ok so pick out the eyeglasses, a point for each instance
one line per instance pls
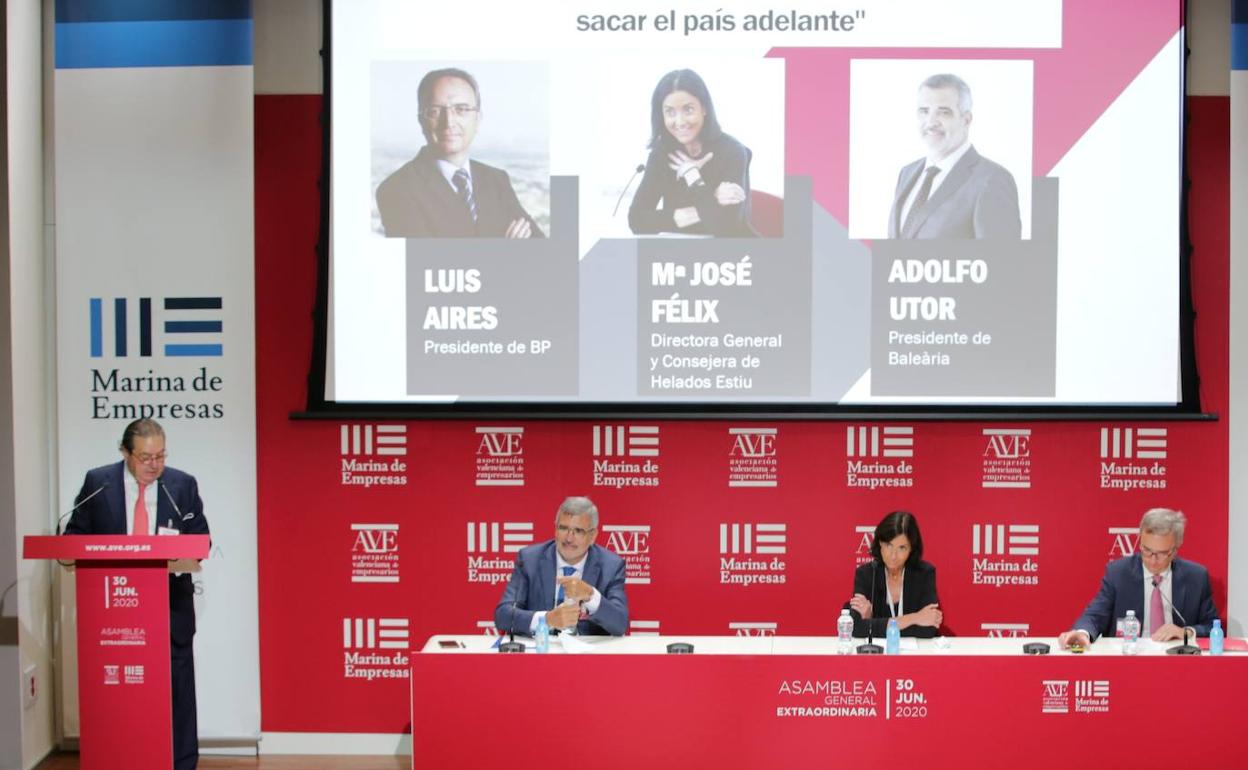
(1149, 553)
(564, 529)
(146, 459)
(434, 112)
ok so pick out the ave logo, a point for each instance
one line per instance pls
(752, 457)
(500, 456)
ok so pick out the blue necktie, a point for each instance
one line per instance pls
(567, 571)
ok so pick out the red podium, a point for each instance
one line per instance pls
(124, 697)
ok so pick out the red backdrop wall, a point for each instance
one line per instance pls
(372, 536)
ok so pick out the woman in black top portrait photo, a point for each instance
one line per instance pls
(896, 583)
(697, 178)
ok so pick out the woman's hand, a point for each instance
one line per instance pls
(686, 217)
(729, 194)
(861, 605)
(687, 168)
(929, 616)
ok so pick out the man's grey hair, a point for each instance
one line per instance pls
(1163, 521)
(949, 80)
(579, 506)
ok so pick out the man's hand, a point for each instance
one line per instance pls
(861, 605)
(563, 616)
(1076, 636)
(729, 194)
(575, 588)
(1167, 633)
(519, 228)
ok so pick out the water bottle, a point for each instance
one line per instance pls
(543, 635)
(1216, 638)
(845, 633)
(892, 638)
(1130, 634)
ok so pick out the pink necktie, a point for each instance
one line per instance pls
(140, 516)
(1156, 613)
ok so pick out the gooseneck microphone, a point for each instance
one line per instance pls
(640, 168)
(1185, 648)
(871, 648)
(161, 483)
(78, 505)
(511, 645)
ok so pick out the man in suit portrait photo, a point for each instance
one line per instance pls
(1167, 593)
(443, 192)
(952, 192)
(569, 580)
(142, 496)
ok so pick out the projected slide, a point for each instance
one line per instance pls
(886, 202)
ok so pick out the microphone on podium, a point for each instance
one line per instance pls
(871, 648)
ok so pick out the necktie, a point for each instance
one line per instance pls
(460, 179)
(140, 515)
(924, 191)
(1156, 613)
(567, 571)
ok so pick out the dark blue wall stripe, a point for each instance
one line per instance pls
(192, 303)
(191, 327)
(145, 326)
(1239, 12)
(119, 325)
(97, 328)
(1239, 46)
(102, 45)
(70, 11)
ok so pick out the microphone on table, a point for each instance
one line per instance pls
(511, 645)
(1185, 648)
(871, 648)
(640, 168)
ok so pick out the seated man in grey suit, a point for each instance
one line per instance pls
(953, 192)
(1165, 591)
(442, 193)
(569, 580)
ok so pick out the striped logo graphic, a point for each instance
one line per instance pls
(744, 628)
(499, 536)
(1003, 539)
(373, 440)
(1126, 443)
(643, 628)
(375, 633)
(877, 441)
(190, 327)
(752, 538)
(626, 441)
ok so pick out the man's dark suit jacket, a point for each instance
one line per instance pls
(177, 507)
(105, 514)
(977, 199)
(1122, 589)
(918, 589)
(417, 202)
(532, 589)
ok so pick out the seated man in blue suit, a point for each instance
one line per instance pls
(569, 580)
(1166, 592)
(142, 496)
(953, 192)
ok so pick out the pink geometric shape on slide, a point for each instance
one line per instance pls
(1105, 45)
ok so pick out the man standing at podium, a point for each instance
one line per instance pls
(140, 496)
(569, 580)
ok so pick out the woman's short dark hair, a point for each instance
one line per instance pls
(899, 523)
(689, 82)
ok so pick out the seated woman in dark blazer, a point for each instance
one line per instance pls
(904, 584)
(697, 178)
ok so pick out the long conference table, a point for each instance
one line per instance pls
(793, 702)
